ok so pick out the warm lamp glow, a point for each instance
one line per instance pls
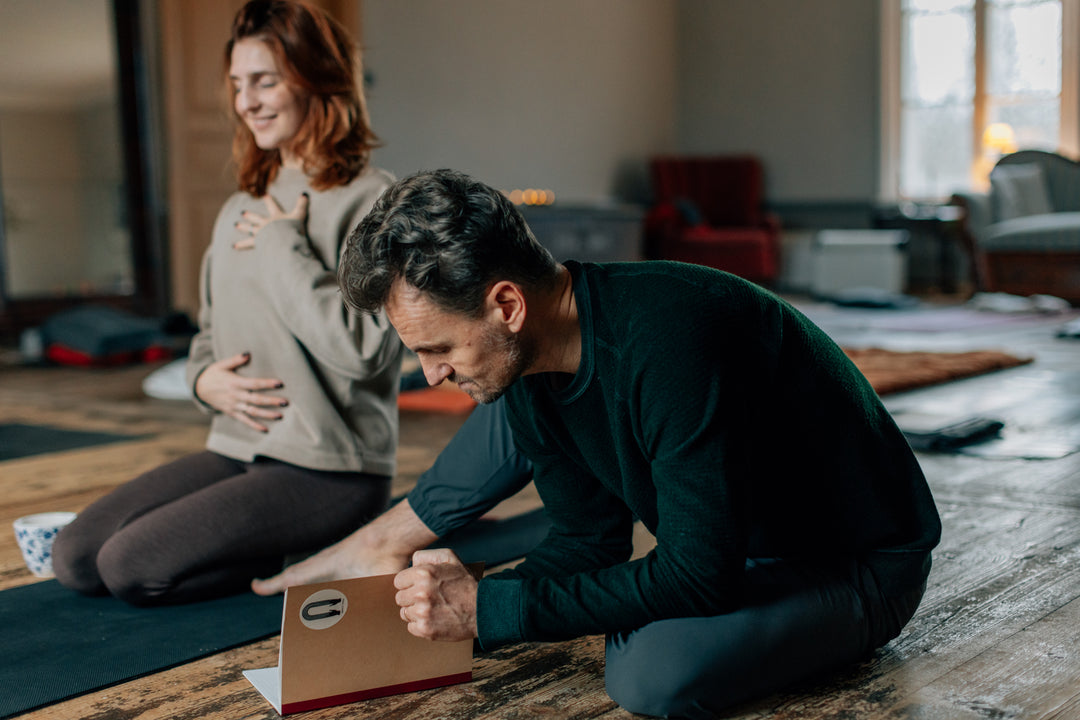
(999, 137)
(531, 196)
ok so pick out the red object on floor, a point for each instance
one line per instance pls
(63, 355)
(439, 399)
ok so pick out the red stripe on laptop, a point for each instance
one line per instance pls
(330, 701)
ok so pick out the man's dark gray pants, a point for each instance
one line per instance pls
(799, 622)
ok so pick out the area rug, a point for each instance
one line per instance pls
(891, 371)
(23, 440)
(58, 644)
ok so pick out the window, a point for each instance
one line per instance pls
(965, 81)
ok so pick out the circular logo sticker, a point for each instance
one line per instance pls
(323, 609)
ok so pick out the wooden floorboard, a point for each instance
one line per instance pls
(996, 636)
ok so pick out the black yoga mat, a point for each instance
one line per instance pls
(58, 644)
(21, 440)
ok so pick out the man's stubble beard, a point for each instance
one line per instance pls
(514, 356)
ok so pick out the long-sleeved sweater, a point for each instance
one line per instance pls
(725, 421)
(280, 302)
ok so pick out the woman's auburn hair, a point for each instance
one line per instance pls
(321, 64)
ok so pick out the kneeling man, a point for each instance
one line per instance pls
(793, 524)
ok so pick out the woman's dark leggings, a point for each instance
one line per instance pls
(203, 526)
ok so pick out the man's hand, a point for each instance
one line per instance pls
(437, 596)
(251, 223)
(239, 397)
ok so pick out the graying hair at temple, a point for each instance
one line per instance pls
(447, 235)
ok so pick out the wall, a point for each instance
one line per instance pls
(795, 83)
(563, 95)
(575, 97)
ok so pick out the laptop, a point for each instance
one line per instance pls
(344, 641)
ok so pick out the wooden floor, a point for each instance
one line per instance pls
(997, 635)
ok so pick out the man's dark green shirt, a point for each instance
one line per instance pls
(728, 424)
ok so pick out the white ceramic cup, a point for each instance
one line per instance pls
(35, 535)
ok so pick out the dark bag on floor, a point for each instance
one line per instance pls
(98, 335)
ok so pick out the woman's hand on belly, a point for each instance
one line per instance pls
(242, 398)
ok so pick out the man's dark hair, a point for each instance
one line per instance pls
(446, 235)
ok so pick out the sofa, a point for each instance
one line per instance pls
(1023, 236)
(710, 210)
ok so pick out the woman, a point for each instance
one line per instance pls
(303, 395)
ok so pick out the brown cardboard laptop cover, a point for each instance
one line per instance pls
(344, 641)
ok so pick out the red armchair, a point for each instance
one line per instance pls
(710, 211)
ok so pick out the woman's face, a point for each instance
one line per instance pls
(263, 100)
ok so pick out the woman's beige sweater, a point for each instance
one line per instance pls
(280, 303)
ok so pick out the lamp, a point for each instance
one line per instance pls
(1000, 138)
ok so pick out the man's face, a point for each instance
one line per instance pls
(479, 354)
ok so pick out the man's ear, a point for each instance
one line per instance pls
(505, 304)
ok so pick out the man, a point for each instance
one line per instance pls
(793, 523)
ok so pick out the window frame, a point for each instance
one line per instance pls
(892, 106)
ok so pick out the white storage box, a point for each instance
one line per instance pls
(843, 260)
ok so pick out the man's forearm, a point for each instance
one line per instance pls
(385, 545)
(397, 533)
